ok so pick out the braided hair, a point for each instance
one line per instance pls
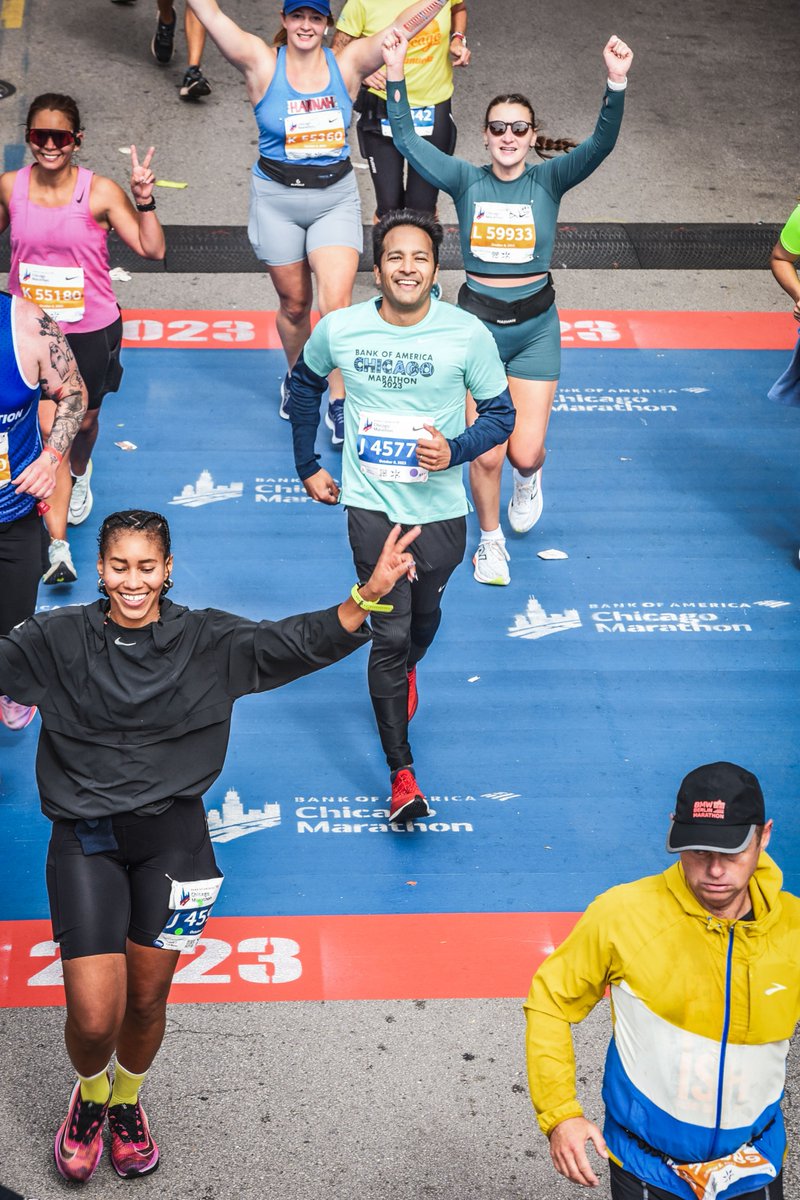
(557, 145)
(135, 520)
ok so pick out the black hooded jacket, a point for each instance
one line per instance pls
(135, 718)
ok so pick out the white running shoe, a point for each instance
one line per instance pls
(490, 563)
(81, 500)
(285, 409)
(526, 504)
(62, 568)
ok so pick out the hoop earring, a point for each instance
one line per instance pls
(168, 583)
(101, 586)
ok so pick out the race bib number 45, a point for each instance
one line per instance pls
(387, 446)
(503, 233)
(190, 907)
(314, 134)
(58, 290)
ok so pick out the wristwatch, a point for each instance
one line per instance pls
(369, 605)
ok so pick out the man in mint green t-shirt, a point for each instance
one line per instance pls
(407, 362)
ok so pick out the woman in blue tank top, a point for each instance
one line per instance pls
(305, 215)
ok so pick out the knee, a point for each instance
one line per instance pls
(528, 458)
(424, 627)
(390, 642)
(89, 421)
(331, 298)
(491, 463)
(93, 1026)
(295, 309)
(146, 1009)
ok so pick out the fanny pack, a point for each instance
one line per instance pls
(507, 312)
(299, 175)
(709, 1180)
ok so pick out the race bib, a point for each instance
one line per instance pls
(422, 118)
(314, 134)
(710, 1179)
(387, 446)
(190, 905)
(58, 290)
(5, 462)
(503, 233)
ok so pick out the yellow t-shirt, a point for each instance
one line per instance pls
(429, 73)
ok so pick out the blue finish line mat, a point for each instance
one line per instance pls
(557, 715)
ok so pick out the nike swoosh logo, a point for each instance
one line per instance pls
(776, 987)
(117, 642)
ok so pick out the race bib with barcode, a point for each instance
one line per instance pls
(503, 233)
(314, 134)
(190, 907)
(58, 290)
(387, 446)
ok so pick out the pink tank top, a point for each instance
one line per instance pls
(59, 257)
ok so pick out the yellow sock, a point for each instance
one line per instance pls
(95, 1088)
(126, 1085)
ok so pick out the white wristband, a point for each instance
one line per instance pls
(617, 87)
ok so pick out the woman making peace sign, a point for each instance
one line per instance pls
(60, 216)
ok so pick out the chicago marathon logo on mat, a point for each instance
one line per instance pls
(205, 491)
(370, 814)
(283, 489)
(622, 400)
(647, 616)
(232, 820)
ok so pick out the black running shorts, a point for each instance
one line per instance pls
(97, 901)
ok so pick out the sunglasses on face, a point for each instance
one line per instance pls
(59, 137)
(518, 128)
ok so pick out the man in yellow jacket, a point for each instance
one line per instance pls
(703, 967)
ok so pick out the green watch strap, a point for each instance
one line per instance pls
(369, 605)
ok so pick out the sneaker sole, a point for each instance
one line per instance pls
(59, 575)
(80, 516)
(336, 441)
(498, 580)
(133, 1174)
(195, 92)
(412, 810)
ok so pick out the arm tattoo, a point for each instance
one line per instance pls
(340, 40)
(69, 413)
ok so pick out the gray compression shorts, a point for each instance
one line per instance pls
(286, 223)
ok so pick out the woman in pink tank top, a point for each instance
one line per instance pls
(60, 215)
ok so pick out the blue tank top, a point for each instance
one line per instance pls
(20, 443)
(297, 128)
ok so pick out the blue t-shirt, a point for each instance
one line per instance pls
(295, 127)
(20, 443)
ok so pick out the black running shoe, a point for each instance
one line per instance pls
(194, 85)
(163, 44)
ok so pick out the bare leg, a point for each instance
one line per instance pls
(195, 38)
(84, 442)
(150, 972)
(335, 269)
(166, 13)
(96, 988)
(293, 285)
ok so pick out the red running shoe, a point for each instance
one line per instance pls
(79, 1141)
(413, 694)
(408, 802)
(133, 1151)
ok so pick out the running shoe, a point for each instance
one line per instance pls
(490, 561)
(408, 802)
(62, 568)
(133, 1151)
(194, 85)
(81, 499)
(413, 694)
(79, 1141)
(16, 716)
(334, 419)
(526, 504)
(286, 397)
(163, 43)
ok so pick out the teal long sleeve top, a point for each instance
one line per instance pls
(507, 227)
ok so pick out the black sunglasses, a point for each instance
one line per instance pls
(59, 137)
(518, 128)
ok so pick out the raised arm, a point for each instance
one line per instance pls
(564, 172)
(138, 227)
(361, 57)
(47, 351)
(248, 53)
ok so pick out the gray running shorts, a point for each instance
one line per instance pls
(286, 223)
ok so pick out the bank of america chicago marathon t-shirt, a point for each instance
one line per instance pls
(398, 378)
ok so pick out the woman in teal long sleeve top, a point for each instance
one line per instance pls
(507, 213)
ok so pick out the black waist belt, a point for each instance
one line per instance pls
(648, 1149)
(300, 175)
(507, 312)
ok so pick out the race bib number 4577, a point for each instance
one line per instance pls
(387, 446)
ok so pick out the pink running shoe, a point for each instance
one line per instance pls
(16, 716)
(79, 1141)
(133, 1151)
